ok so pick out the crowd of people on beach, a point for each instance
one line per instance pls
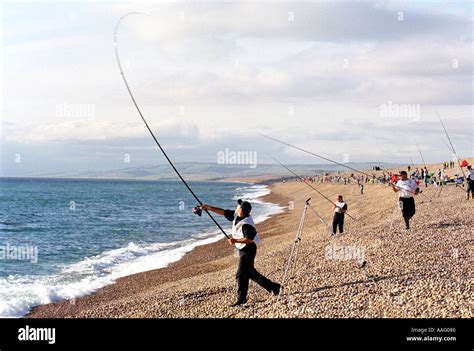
(449, 165)
(406, 183)
(421, 175)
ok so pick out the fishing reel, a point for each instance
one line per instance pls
(197, 210)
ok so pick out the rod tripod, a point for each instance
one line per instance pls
(294, 247)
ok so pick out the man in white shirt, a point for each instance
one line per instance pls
(340, 207)
(470, 182)
(244, 237)
(406, 187)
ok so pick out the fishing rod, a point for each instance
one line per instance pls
(411, 159)
(449, 140)
(424, 163)
(449, 147)
(302, 179)
(312, 153)
(335, 162)
(117, 56)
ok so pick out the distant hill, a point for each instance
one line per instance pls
(213, 171)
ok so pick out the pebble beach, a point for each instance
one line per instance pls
(422, 272)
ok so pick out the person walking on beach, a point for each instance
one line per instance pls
(339, 207)
(470, 182)
(407, 187)
(244, 236)
(443, 178)
(426, 177)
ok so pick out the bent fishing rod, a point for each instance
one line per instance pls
(302, 179)
(337, 163)
(117, 56)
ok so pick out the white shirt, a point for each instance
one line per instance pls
(339, 206)
(237, 232)
(470, 174)
(406, 187)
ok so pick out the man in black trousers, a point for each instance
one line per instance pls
(340, 207)
(244, 238)
(406, 189)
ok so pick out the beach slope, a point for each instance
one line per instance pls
(421, 272)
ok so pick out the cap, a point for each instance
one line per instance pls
(245, 205)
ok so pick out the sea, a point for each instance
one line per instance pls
(66, 238)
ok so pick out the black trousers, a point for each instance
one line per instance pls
(338, 220)
(407, 205)
(470, 187)
(246, 271)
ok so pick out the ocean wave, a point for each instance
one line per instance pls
(18, 294)
(252, 193)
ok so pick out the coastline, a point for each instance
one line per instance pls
(195, 262)
(420, 273)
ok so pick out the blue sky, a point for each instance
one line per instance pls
(211, 76)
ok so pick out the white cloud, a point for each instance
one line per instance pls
(86, 130)
(236, 68)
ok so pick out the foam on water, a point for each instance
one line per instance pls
(19, 293)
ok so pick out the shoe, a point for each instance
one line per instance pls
(276, 289)
(238, 303)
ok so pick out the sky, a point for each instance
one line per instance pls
(355, 81)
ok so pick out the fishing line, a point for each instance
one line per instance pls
(449, 147)
(450, 143)
(424, 163)
(337, 163)
(117, 56)
(302, 179)
(411, 159)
